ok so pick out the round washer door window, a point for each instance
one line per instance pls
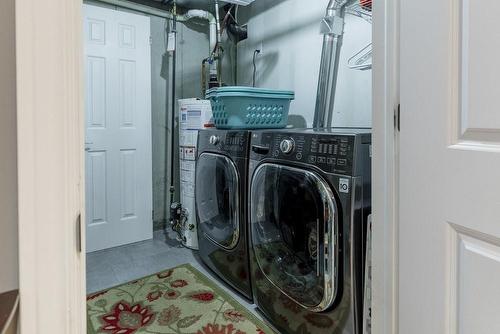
(294, 231)
(217, 199)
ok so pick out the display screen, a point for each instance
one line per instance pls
(327, 148)
(233, 140)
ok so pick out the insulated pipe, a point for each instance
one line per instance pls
(333, 30)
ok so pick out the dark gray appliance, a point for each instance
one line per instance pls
(309, 199)
(220, 192)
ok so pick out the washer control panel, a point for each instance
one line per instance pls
(287, 146)
(214, 139)
(330, 152)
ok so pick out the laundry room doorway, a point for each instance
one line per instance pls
(51, 124)
(118, 155)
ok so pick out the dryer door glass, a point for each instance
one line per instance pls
(294, 233)
(217, 199)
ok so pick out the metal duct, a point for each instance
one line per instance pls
(332, 28)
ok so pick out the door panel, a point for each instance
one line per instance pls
(477, 261)
(128, 184)
(96, 92)
(449, 234)
(96, 190)
(118, 132)
(126, 97)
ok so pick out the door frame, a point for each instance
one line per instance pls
(50, 117)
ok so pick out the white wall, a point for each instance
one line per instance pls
(289, 32)
(9, 265)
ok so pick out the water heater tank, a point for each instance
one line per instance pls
(194, 115)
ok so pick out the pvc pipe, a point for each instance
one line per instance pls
(213, 36)
(201, 14)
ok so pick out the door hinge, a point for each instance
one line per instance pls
(397, 118)
(150, 40)
(79, 233)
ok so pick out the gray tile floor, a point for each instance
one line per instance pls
(122, 264)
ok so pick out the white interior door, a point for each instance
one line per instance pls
(449, 237)
(118, 128)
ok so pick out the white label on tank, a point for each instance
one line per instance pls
(344, 185)
(171, 42)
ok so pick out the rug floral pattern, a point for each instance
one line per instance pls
(175, 301)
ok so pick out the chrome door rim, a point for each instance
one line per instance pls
(236, 234)
(330, 240)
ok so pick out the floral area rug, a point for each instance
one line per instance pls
(177, 301)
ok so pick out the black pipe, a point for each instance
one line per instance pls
(239, 32)
(172, 120)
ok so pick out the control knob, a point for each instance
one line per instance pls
(287, 146)
(214, 140)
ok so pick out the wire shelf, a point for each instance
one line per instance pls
(362, 60)
(361, 11)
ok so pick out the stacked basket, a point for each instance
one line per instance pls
(249, 108)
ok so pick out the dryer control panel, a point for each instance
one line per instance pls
(331, 152)
(233, 143)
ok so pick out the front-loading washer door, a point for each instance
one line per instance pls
(294, 232)
(217, 199)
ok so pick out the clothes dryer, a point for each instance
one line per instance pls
(221, 192)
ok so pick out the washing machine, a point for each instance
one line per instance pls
(220, 195)
(309, 199)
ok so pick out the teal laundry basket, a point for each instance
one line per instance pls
(238, 107)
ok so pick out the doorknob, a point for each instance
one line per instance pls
(86, 147)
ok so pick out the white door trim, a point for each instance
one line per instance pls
(385, 162)
(50, 165)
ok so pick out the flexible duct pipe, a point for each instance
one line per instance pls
(333, 30)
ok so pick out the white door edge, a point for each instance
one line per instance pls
(385, 162)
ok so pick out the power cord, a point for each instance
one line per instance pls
(255, 53)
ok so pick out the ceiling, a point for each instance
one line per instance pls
(188, 4)
(198, 4)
